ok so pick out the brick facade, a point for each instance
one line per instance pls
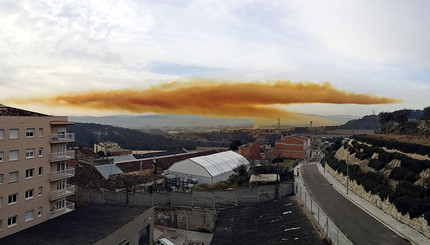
(293, 147)
(250, 151)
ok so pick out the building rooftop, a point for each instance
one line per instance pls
(272, 222)
(108, 170)
(85, 225)
(124, 158)
(15, 112)
(263, 178)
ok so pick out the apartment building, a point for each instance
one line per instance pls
(250, 151)
(34, 168)
(293, 147)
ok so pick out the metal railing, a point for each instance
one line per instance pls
(67, 173)
(63, 137)
(70, 206)
(69, 190)
(65, 155)
(330, 229)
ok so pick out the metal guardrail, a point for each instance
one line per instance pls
(59, 156)
(69, 190)
(67, 173)
(61, 137)
(330, 229)
(70, 206)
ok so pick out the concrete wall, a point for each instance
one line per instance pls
(187, 218)
(204, 199)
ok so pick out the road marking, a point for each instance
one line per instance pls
(292, 229)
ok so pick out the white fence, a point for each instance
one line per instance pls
(330, 229)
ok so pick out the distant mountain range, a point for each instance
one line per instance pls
(162, 121)
(178, 121)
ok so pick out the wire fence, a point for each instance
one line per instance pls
(327, 225)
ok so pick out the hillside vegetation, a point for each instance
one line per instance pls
(89, 133)
(397, 171)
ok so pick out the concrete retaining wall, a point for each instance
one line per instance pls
(205, 199)
(420, 224)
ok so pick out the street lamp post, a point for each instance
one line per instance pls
(347, 173)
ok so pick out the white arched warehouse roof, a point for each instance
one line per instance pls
(210, 166)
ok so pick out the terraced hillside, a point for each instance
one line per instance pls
(392, 174)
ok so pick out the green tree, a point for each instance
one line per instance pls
(235, 145)
(426, 113)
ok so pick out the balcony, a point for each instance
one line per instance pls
(57, 194)
(62, 156)
(62, 138)
(70, 206)
(62, 174)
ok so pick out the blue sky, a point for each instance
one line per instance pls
(378, 47)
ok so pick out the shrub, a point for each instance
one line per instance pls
(409, 189)
(384, 191)
(362, 155)
(385, 157)
(377, 164)
(418, 208)
(427, 216)
(403, 204)
(416, 166)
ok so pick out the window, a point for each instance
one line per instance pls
(1, 202)
(40, 171)
(61, 167)
(61, 185)
(13, 177)
(29, 153)
(1, 179)
(40, 191)
(40, 132)
(29, 133)
(13, 155)
(1, 134)
(1, 225)
(40, 151)
(29, 194)
(39, 212)
(29, 173)
(13, 134)
(1, 156)
(61, 150)
(29, 215)
(12, 199)
(12, 221)
(61, 204)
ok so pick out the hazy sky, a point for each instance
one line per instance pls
(378, 47)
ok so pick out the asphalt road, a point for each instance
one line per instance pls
(357, 225)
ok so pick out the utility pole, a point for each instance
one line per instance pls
(279, 127)
(277, 179)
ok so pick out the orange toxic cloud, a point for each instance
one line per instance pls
(257, 100)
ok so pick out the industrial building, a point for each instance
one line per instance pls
(34, 168)
(208, 169)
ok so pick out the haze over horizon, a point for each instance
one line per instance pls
(61, 50)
